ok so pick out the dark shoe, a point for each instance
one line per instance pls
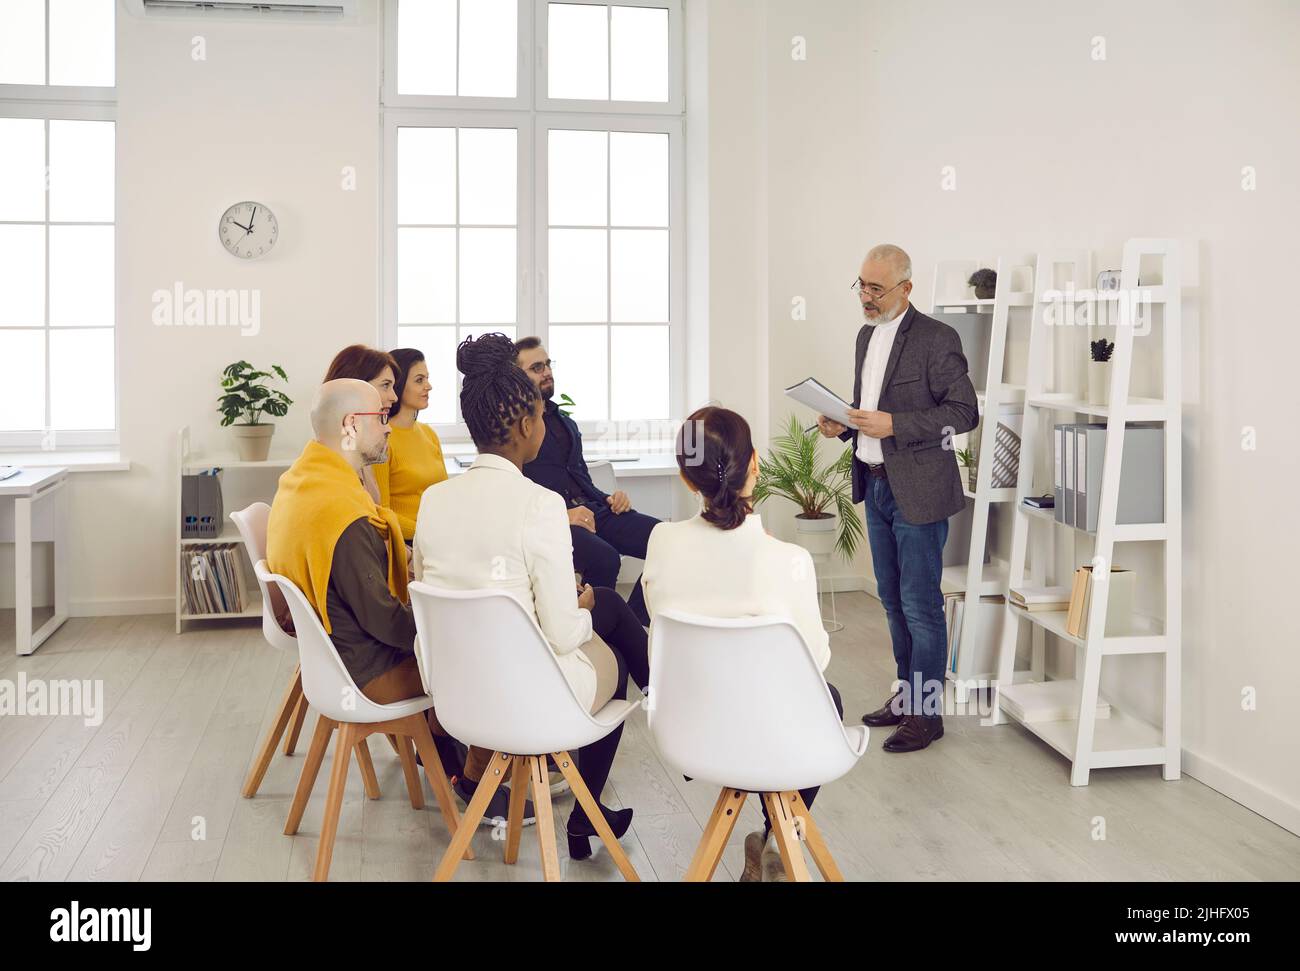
(580, 829)
(915, 733)
(498, 808)
(890, 713)
(754, 843)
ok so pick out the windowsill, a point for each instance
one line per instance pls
(74, 460)
(625, 462)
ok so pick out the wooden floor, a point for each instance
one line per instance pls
(153, 792)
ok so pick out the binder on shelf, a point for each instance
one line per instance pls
(1067, 474)
(1058, 472)
(1142, 475)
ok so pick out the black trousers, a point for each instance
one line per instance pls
(614, 621)
(807, 795)
(597, 556)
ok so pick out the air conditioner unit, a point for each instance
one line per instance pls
(277, 10)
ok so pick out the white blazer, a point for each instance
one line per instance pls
(492, 528)
(697, 568)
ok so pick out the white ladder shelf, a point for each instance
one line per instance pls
(1117, 740)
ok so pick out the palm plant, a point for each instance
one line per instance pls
(792, 471)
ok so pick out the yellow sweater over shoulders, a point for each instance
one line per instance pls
(414, 463)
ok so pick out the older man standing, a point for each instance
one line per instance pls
(911, 394)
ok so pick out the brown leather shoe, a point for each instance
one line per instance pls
(890, 713)
(915, 733)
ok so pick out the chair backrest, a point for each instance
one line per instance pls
(740, 702)
(251, 523)
(325, 681)
(602, 475)
(494, 678)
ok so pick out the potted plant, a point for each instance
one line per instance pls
(1099, 371)
(966, 459)
(791, 470)
(985, 282)
(565, 405)
(244, 400)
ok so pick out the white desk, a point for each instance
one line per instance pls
(33, 509)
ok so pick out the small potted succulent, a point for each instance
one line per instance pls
(244, 400)
(966, 459)
(792, 471)
(1099, 371)
(985, 282)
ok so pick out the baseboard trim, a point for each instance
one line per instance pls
(1253, 796)
(123, 607)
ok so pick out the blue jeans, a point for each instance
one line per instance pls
(908, 561)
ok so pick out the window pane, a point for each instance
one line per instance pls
(22, 380)
(439, 346)
(426, 276)
(426, 175)
(639, 60)
(81, 379)
(638, 178)
(426, 46)
(81, 275)
(487, 276)
(81, 171)
(583, 372)
(638, 372)
(22, 168)
(639, 275)
(488, 176)
(577, 58)
(577, 285)
(575, 173)
(22, 276)
(488, 48)
(22, 42)
(510, 330)
(81, 42)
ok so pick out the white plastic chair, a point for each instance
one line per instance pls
(739, 702)
(496, 684)
(331, 691)
(602, 475)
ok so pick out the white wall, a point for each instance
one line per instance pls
(1055, 149)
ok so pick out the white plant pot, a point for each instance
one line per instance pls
(817, 536)
(253, 441)
(1098, 382)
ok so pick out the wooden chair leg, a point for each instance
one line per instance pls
(409, 771)
(592, 808)
(396, 745)
(781, 813)
(821, 853)
(437, 776)
(258, 769)
(716, 833)
(311, 768)
(487, 786)
(295, 726)
(518, 795)
(540, 779)
(347, 741)
(368, 777)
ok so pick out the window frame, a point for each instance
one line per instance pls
(58, 102)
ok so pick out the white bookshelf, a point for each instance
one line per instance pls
(1013, 297)
(242, 483)
(1099, 735)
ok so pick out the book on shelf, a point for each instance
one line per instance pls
(1119, 608)
(212, 579)
(954, 608)
(1041, 598)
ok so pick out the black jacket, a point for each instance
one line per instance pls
(561, 469)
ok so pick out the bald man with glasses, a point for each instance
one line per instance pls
(911, 394)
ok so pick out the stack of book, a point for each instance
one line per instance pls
(1041, 598)
(212, 579)
(954, 610)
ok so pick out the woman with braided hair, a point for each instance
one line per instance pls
(722, 563)
(493, 528)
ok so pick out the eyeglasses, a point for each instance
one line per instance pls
(874, 290)
(541, 367)
(383, 416)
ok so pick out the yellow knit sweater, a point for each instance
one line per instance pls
(414, 463)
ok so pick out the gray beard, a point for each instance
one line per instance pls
(882, 319)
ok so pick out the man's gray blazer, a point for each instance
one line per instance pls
(928, 392)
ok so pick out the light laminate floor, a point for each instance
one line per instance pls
(152, 793)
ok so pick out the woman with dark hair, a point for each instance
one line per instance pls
(415, 459)
(375, 367)
(492, 528)
(721, 563)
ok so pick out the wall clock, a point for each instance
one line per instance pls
(248, 230)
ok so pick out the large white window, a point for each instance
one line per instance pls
(539, 195)
(57, 235)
